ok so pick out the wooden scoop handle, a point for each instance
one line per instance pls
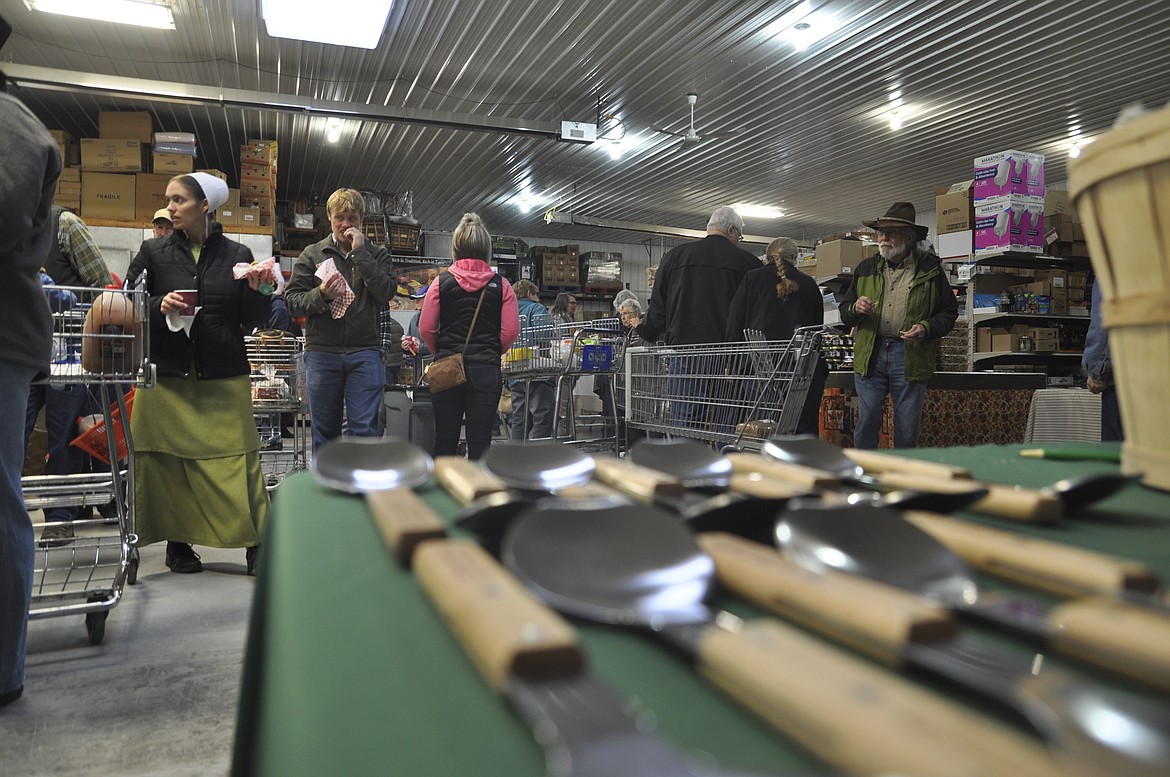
(502, 627)
(758, 485)
(1126, 639)
(1018, 504)
(869, 617)
(857, 716)
(880, 463)
(795, 474)
(465, 480)
(404, 520)
(1050, 566)
(640, 482)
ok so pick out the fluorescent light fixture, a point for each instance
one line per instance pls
(143, 13)
(757, 211)
(360, 25)
(895, 120)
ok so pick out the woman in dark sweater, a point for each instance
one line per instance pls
(777, 299)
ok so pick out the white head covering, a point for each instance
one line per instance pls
(215, 189)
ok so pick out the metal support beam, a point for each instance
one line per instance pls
(33, 77)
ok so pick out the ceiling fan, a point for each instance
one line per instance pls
(691, 137)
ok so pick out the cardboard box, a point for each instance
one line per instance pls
(1011, 223)
(955, 245)
(1005, 339)
(253, 187)
(107, 196)
(1058, 226)
(1044, 338)
(217, 173)
(1057, 202)
(249, 217)
(839, 257)
(71, 174)
(174, 164)
(259, 172)
(122, 155)
(228, 215)
(954, 208)
(150, 194)
(1008, 172)
(135, 125)
(263, 152)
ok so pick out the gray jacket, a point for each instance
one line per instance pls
(28, 177)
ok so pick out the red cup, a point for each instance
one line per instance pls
(190, 298)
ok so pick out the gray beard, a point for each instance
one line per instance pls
(894, 255)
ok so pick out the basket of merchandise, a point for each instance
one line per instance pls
(93, 439)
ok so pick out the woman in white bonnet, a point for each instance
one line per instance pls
(197, 476)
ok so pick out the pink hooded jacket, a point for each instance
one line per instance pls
(471, 274)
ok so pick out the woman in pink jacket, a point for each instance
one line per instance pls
(449, 324)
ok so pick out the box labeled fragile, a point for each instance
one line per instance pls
(108, 196)
(1008, 172)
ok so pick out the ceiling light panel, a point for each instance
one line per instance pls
(141, 13)
(360, 26)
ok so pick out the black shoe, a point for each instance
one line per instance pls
(181, 559)
(10, 696)
(250, 556)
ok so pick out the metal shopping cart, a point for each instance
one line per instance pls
(734, 395)
(100, 342)
(279, 402)
(564, 352)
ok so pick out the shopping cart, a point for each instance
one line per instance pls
(734, 395)
(564, 352)
(101, 343)
(279, 402)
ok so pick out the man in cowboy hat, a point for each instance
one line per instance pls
(900, 303)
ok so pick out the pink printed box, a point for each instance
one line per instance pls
(1008, 172)
(1010, 223)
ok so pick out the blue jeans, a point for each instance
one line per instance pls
(344, 386)
(62, 407)
(535, 398)
(472, 405)
(887, 375)
(17, 552)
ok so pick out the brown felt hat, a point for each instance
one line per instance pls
(900, 214)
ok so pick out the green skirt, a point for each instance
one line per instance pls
(197, 475)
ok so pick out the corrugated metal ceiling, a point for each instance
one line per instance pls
(809, 130)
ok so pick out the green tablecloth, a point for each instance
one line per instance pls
(349, 670)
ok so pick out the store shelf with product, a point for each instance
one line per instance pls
(1024, 310)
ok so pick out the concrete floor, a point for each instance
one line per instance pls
(156, 697)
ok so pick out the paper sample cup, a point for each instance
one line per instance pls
(190, 298)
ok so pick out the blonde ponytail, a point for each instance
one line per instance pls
(780, 250)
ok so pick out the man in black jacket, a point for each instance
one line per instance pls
(693, 289)
(340, 285)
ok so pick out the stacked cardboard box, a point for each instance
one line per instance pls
(258, 172)
(839, 257)
(1008, 191)
(560, 267)
(68, 193)
(70, 153)
(955, 220)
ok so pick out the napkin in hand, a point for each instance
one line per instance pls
(337, 305)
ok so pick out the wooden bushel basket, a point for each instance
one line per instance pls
(1121, 184)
